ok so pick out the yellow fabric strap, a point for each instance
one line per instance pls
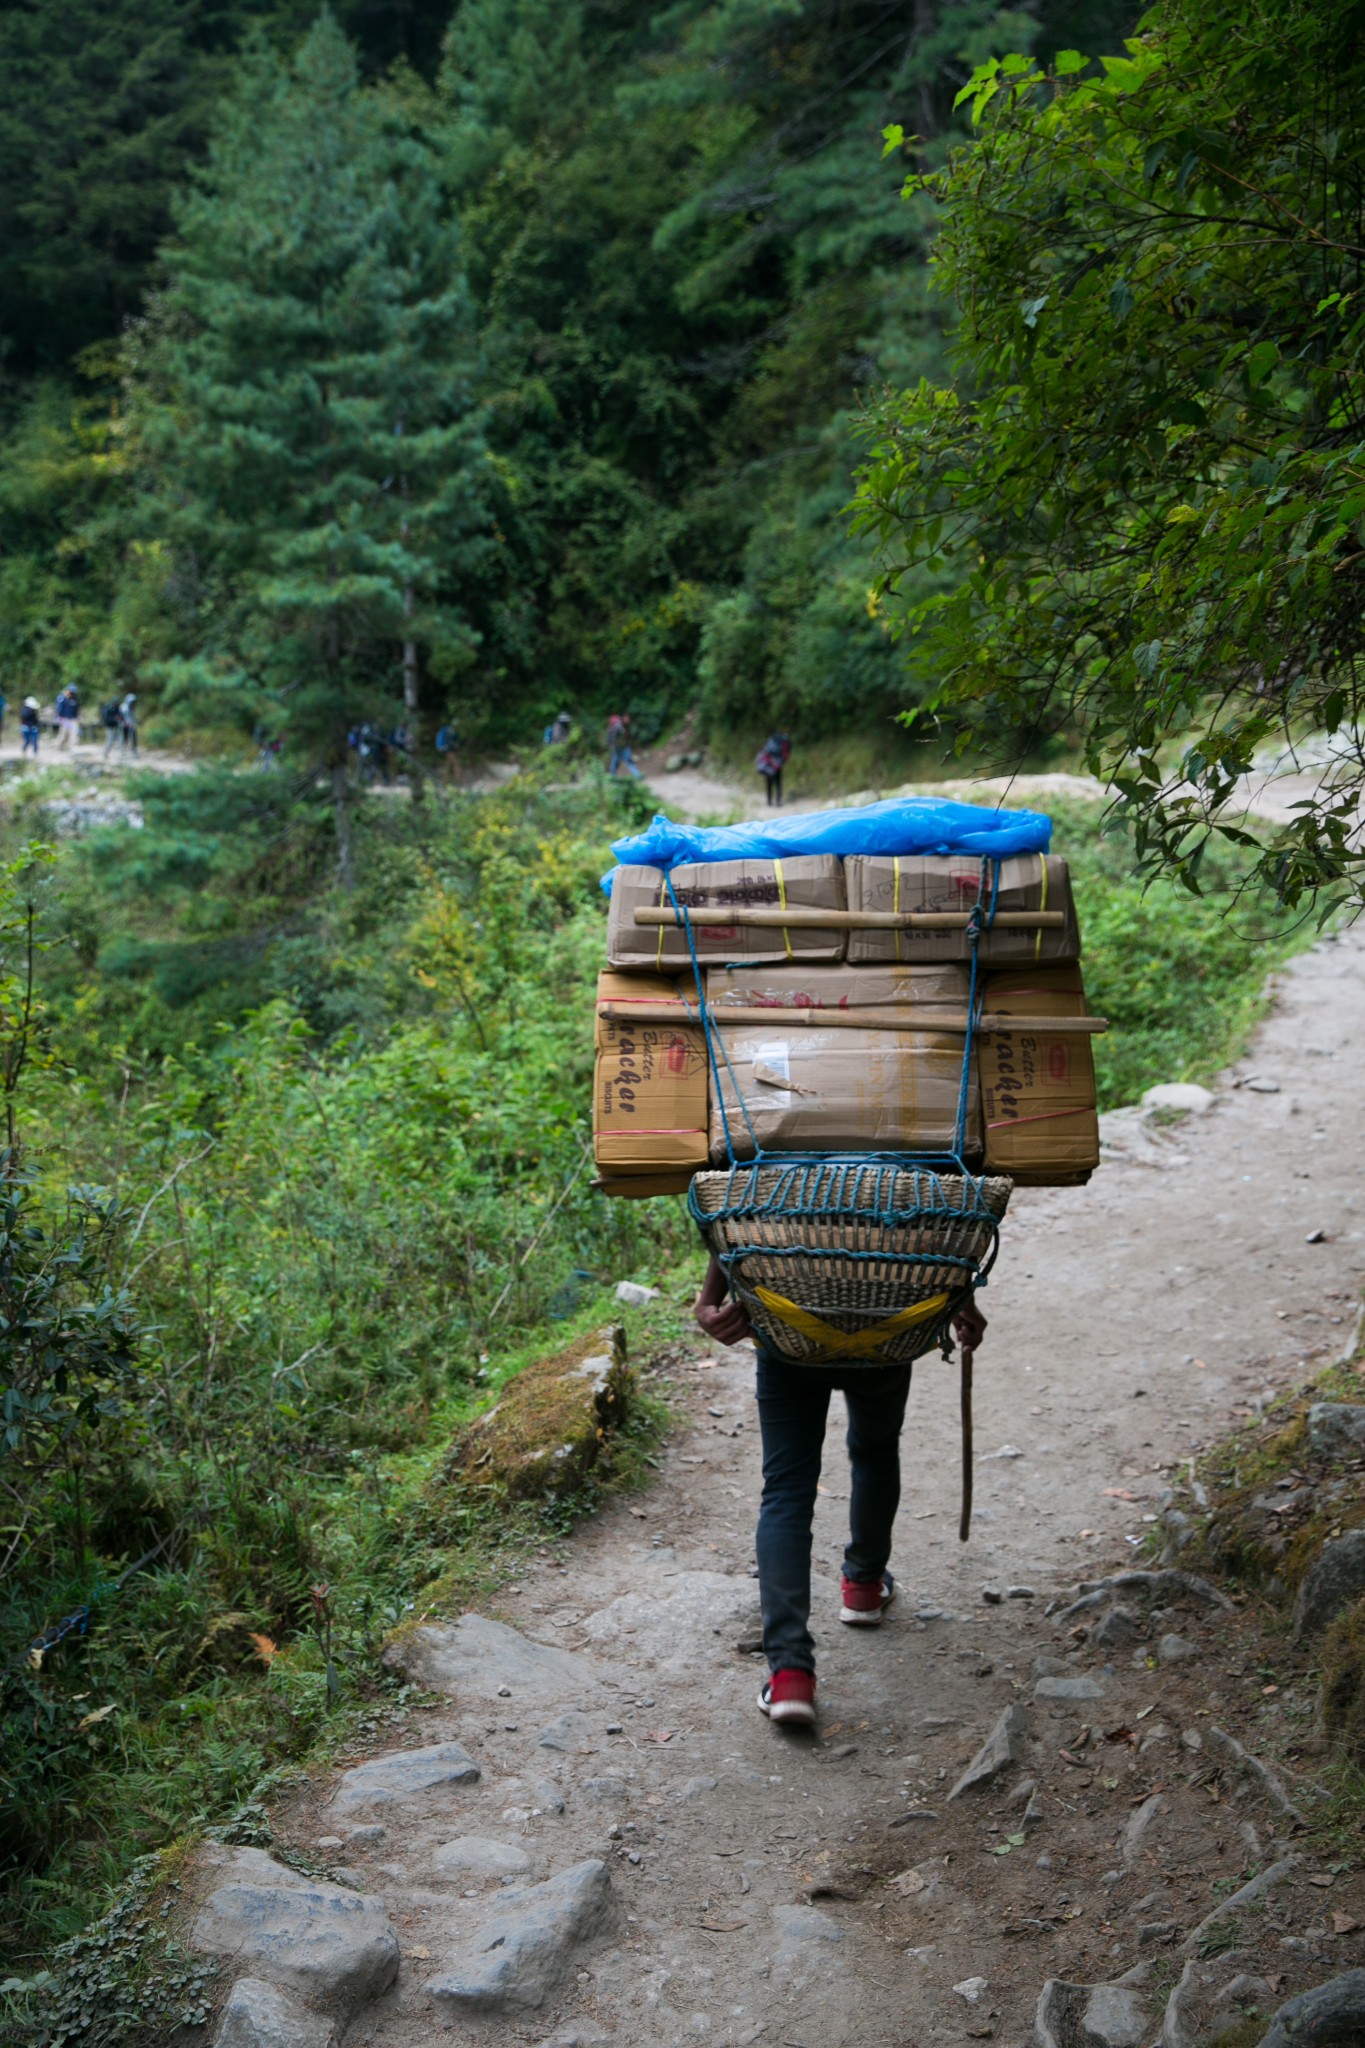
(896, 896)
(663, 899)
(1042, 905)
(782, 899)
(844, 1343)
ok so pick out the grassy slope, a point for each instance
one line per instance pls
(335, 1125)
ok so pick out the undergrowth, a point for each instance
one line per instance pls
(302, 1177)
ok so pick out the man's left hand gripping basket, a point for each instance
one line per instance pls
(852, 1259)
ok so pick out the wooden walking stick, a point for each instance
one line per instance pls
(965, 1521)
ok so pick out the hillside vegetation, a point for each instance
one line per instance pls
(303, 1170)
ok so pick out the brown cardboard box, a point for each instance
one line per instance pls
(639, 1187)
(742, 986)
(808, 1089)
(649, 1089)
(952, 882)
(811, 881)
(1038, 1089)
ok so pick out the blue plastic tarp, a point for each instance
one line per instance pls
(899, 824)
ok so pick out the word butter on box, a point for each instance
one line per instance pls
(1038, 1087)
(649, 1089)
(808, 882)
(941, 883)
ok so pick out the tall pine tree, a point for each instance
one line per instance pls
(304, 413)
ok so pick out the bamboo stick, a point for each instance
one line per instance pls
(901, 1017)
(803, 917)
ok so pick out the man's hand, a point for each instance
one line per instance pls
(725, 1325)
(723, 1321)
(969, 1325)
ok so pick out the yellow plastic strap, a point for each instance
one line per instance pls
(782, 899)
(896, 897)
(845, 1343)
(1042, 905)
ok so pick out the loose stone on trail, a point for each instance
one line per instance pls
(524, 1951)
(257, 2015)
(1089, 2015)
(1001, 1749)
(477, 1856)
(405, 1774)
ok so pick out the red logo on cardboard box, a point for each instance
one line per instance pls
(675, 1059)
(1058, 1065)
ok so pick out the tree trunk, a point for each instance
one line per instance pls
(341, 812)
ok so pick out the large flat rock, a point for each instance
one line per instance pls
(333, 1946)
(406, 1774)
(670, 1617)
(527, 1947)
(474, 1658)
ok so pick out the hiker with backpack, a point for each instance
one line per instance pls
(68, 710)
(793, 1406)
(127, 724)
(109, 719)
(448, 748)
(619, 750)
(29, 726)
(771, 759)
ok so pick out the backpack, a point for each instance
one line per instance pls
(109, 714)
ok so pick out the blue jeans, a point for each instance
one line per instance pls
(622, 757)
(793, 1404)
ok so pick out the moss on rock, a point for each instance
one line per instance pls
(1341, 1675)
(551, 1422)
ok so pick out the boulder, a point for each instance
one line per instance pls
(550, 1422)
(1089, 2015)
(1336, 1427)
(481, 1659)
(406, 1774)
(524, 1951)
(1333, 1581)
(257, 2015)
(1176, 1650)
(998, 1752)
(1138, 1826)
(331, 1945)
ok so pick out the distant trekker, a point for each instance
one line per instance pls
(558, 730)
(127, 724)
(448, 745)
(28, 727)
(109, 719)
(68, 709)
(619, 750)
(772, 758)
(4, 707)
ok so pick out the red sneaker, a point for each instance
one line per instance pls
(866, 1600)
(789, 1696)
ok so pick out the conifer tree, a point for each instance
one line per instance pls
(304, 415)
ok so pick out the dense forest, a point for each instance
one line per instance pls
(541, 328)
(404, 365)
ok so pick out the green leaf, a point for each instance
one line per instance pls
(1068, 62)
(1120, 299)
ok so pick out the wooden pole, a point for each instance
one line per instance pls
(802, 917)
(964, 1526)
(896, 1017)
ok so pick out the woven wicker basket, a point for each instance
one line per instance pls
(850, 1259)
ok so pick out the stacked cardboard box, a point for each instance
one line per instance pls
(815, 882)
(1038, 1086)
(649, 1088)
(939, 883)
(888, 1078)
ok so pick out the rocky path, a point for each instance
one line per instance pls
(600, 1840)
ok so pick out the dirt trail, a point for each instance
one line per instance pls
(1129, 1322)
